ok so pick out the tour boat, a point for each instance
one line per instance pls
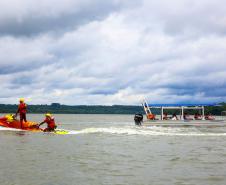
(182, 119)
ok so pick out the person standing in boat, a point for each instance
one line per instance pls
(22, 110)
(51, 125)
(174, 117)
(197, 116)
(165, 116)
(209, 117)
(187, 116)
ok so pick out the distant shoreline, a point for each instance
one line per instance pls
(57, 108)
(76, 109)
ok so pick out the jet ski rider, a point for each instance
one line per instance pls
(22, 110)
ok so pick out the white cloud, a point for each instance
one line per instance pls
(164, 51)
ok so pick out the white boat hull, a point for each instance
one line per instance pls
(184, 123)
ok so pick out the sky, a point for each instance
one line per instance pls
(106, 52)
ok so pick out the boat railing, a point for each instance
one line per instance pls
(182, 108)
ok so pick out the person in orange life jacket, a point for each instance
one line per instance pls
(22, 110)
(50, 123)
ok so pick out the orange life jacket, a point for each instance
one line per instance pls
(150, 116)
(50, 122)
(22, 108)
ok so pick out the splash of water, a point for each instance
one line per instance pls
(152, 131)
(145, 131)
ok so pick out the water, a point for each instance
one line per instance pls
(109, 149)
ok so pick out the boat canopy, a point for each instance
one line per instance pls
(183, 105)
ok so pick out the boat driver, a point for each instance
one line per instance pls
(22, 110)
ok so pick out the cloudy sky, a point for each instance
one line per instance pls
(112, 51)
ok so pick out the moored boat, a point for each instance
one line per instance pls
(183, 119)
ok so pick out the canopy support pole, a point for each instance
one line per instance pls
(182, 113)
(203, 113)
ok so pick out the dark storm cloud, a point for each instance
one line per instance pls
(33, 21)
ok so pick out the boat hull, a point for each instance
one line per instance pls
(30, 126)
(184, 123)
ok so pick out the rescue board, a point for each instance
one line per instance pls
(61, 132)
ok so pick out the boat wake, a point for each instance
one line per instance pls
(153, 131)
(145, 131)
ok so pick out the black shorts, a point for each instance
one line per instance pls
(23, 117)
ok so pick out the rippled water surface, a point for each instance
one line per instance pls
(109, 149)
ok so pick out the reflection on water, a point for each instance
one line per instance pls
(109, 149)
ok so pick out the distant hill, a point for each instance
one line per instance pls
(97, 109)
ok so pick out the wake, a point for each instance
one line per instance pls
(154, 131)
(133, 130)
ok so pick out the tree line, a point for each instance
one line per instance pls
(77, 109)
(99, 109)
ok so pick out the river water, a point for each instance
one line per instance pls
(110, 150)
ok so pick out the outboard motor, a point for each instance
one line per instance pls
(138, 118)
